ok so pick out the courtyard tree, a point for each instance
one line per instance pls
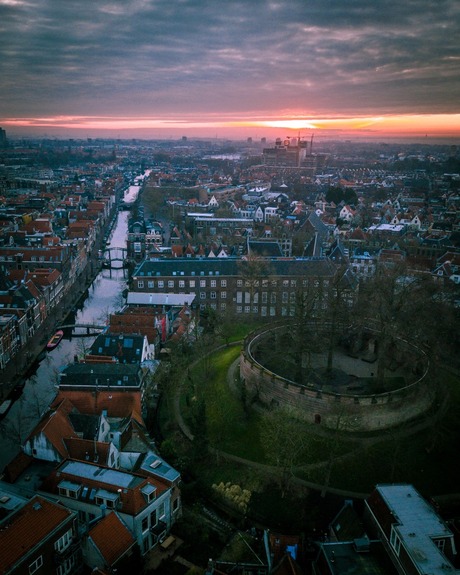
(303, 332)
(397, 304)
(336, 300)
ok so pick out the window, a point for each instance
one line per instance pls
(223, 294)
(285, 283)
(153, 518)
(36, 565)
(150, 284)
(440, 544)
(137, 247)
(181, 283)
(223, 283)
(284, 297)
(176, 504)
(145, 523)
(161, 284)
(191, 283)
(202, 283)
(395, 541)
(239, 309)
(239, 283)
(247, 309)
(213, 295)
(202, 295)
(171, 283)
(161, 511)
(213, 283)
(264, 310)
(140, 284)
(273, 297)
(68, 565)
(293, 283)
(223, 306)
(264, 297)
(64, 541)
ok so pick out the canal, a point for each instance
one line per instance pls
(104, 296)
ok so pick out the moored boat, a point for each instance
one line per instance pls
(4, 407)
(55, 339)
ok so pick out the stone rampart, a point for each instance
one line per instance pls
(351, 412)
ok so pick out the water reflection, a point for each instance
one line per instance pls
(104, 297)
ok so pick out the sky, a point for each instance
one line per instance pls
(230, 68)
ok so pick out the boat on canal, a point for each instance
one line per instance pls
(53, 342)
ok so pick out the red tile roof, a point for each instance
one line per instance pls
(112, 538)
(116, 403)
(82, 449)
(132, 499)
(55, 427)
(27, 528)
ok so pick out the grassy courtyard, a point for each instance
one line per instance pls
(422, 453)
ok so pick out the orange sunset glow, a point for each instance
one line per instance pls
(403, 126)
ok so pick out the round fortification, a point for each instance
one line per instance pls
(350, 396)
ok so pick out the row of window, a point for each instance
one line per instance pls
(265, 283)
(180, 284)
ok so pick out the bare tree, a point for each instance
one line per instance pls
(341, 421)
(284, 442)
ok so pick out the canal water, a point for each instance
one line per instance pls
(104, 296)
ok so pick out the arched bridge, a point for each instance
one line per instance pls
(114, 255)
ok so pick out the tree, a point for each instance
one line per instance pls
(254, 270)
(284, 442)
(340, 421)
(303, 333)
(336, 299)
(397, 304)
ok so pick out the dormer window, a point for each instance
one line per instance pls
(149, 492)
(107, 498)
(69, 489)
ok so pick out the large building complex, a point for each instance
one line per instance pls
(261, 287)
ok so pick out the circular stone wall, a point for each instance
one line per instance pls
(350, 412)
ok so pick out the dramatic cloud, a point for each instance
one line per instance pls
(209, 59)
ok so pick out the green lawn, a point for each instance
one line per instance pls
(426, 459)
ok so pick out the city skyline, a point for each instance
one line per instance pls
(265, 68)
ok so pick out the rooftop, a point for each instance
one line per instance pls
(418, 524)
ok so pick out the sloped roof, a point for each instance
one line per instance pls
(112, 538)
(117, 404)
(95, 476)
(126, 348)
(28, 528)
(87, 450)
(55, 425)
